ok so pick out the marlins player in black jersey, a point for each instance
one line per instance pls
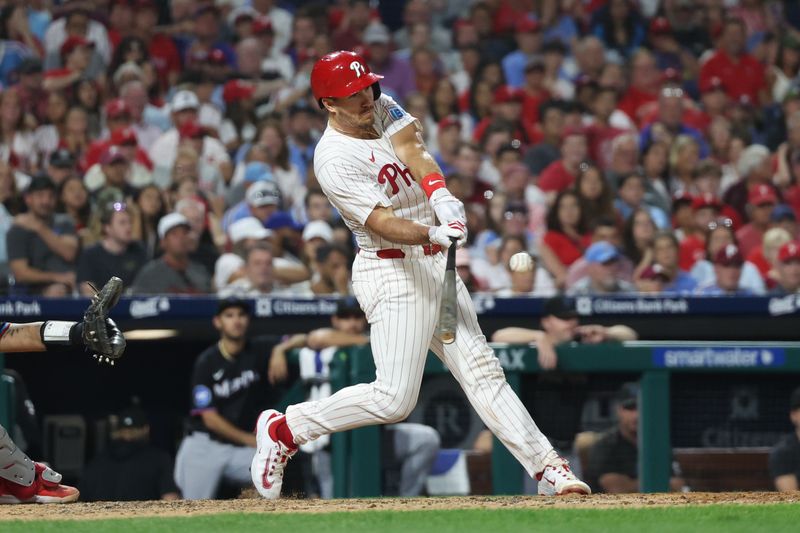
(229, 388)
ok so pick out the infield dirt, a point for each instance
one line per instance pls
(249, 504)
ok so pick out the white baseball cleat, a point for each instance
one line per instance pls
(271, 456)
(558, 479)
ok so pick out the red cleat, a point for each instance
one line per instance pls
(46, 488)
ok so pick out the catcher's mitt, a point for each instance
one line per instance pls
(101, 336)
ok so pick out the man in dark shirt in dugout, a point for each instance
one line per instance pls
(130, 468)
(117, 254)
(229, 389)
(613, 458)
(784, 459)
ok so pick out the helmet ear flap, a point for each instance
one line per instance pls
(376, 91)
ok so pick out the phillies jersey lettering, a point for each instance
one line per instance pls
(359, 175)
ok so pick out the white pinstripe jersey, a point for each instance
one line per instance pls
(358, 175)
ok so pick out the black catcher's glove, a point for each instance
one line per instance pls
(100, 335)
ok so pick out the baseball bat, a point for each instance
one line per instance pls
(448, 306)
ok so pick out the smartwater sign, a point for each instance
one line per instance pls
(718, 357)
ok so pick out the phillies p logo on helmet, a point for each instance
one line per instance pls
(358, 68)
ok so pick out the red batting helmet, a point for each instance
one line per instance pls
(341, 74)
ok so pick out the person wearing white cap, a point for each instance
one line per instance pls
(173, 272)
(184, 108)
(315, 234)
(261, 200)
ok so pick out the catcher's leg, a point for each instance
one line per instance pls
(23, 481)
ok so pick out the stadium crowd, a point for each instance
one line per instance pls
(628, 145)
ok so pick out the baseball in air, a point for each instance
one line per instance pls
(521, 262)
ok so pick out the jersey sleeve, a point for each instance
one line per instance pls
(392, 117)
(351, 190)
(782, 462)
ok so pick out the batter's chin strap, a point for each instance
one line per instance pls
(16, 466)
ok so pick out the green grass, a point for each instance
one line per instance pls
(723, 519)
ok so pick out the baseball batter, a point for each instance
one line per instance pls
(374, 168)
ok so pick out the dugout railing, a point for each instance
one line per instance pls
(357, 455)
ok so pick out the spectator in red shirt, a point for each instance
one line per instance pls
(534, 91)
(602, 133)
(561, 174)
(705, 209)
(760, 202)
(788, 269)
(644, 87)
(741, 73)
(75, 55)
(566, 235)
(507, 107)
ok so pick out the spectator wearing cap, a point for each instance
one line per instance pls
(173, 272)
(542, 154)
(602, 278)
(61, 165)
(787, 269)
(280, 19)
(184, 108)
(784, 458)
(603, 229)
(113, 170)
(315, 234)
(76, 56)
(652, 280)
(464, 270)
(506, 111)
(741, 73)
(561, 174)
(117, 253)
(665, 255)
(42, 245)
(130, 468)
(728, 263)
(238, 126)
(528, 37)
(669, 52)
(718, 234)
(76, 23)
(398, 76)
(704, 209)
(261, 194)
(286, 239)
(32, 95)
(613, 459)
(761, 201)
(535, 91)
(630, 197)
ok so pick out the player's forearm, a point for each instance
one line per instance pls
(23, 273)
(397, 230)
(786, 483)
(326, 337)
(292, 273)
(217, 424)
(65, 246)
(22, 338)
(621, 333)
(517, 335)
